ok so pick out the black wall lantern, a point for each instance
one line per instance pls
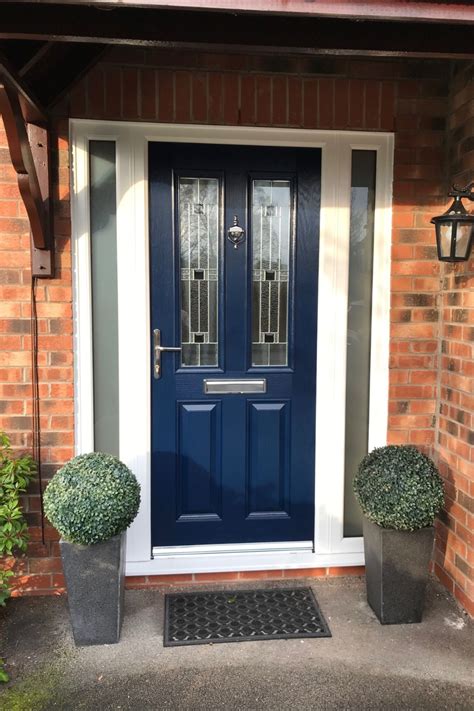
(455, 229)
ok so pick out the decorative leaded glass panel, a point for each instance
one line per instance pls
(198, 220)
(271, 232)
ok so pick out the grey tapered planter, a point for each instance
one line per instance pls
(396, 569)
(95, 578)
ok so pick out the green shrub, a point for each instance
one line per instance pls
(3, 673)
(92, 498)
(399, 487)
(15, 475)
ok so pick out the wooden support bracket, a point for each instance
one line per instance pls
(30, 156)
(42, 259)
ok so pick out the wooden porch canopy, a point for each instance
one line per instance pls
(47, 46)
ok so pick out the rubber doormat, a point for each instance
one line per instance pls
(241, 616)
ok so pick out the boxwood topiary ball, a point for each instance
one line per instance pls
(92, 498)
(399, 487)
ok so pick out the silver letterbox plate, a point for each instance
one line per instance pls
(229, 387)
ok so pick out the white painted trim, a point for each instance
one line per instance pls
(379, 370)
(332, 349)
(227, 548)
(330, 547)
(82, 296)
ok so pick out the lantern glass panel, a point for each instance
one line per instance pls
(445, 232)
(463, 236)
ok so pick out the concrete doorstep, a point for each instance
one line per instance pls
(363, 666)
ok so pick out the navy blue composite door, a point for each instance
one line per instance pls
(233, 411)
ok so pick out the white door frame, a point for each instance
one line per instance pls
(329, 548)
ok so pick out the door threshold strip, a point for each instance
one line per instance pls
(234, 548)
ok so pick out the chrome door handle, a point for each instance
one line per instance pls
(158, 349)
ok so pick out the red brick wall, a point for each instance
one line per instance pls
(41, 570)
(454, 555)
(409, 98)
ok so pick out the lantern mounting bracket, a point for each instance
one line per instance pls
(467, 192)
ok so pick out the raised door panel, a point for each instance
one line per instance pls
(268, 459)
(199, 461)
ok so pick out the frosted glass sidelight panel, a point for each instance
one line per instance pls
(271, 235)
(198, 220)
(104, 295)
(359, 316)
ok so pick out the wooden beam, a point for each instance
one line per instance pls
(23, 163)
(35, 58)
(18, 53)
(401, 11)
(60, 67)
(31, 108)
(220, 31)
(33, 177)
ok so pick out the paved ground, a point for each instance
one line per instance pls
(363, 666)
